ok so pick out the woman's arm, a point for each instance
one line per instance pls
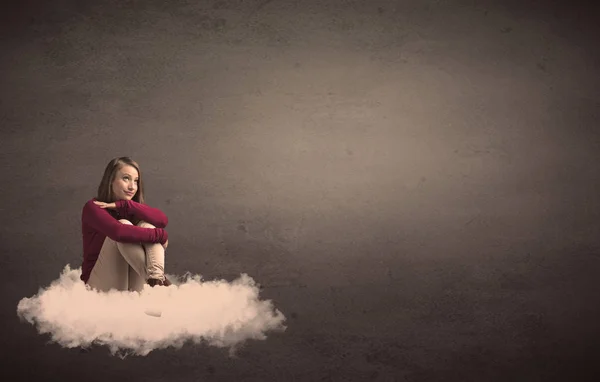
(144, 212)
(100, 220)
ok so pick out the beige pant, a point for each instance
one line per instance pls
(127, 266)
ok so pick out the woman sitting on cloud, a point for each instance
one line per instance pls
(124, 240)
(124, 244)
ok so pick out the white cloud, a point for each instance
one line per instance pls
(218, 313)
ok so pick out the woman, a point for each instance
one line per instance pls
(124, 240)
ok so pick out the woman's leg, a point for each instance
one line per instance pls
(127, 266)
(111, 269)
(136, 282)
(155, 257)
(155, 263)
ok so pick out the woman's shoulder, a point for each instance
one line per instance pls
(89, 203)
(89, 206)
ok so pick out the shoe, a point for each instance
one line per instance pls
(159, 282)
(155, 282)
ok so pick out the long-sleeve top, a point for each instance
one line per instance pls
(98, 223)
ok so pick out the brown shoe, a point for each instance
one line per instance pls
(159, 282)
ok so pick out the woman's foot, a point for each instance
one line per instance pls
(159, 282)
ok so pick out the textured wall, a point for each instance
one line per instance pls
(420, 173)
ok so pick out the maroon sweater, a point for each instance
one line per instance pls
(98, 223)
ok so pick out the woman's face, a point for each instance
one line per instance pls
(125, 184)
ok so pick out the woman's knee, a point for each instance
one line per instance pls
(144, 224)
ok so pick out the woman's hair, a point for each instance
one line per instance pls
(105, 192)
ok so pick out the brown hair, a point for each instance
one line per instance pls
(105, 192)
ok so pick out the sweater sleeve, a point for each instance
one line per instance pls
(101, 221)
(144, 212)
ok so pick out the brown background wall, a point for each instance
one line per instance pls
(414, 183)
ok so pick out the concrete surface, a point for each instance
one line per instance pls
(414, 183)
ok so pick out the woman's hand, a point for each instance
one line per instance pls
(166, 244)
(105, 205)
